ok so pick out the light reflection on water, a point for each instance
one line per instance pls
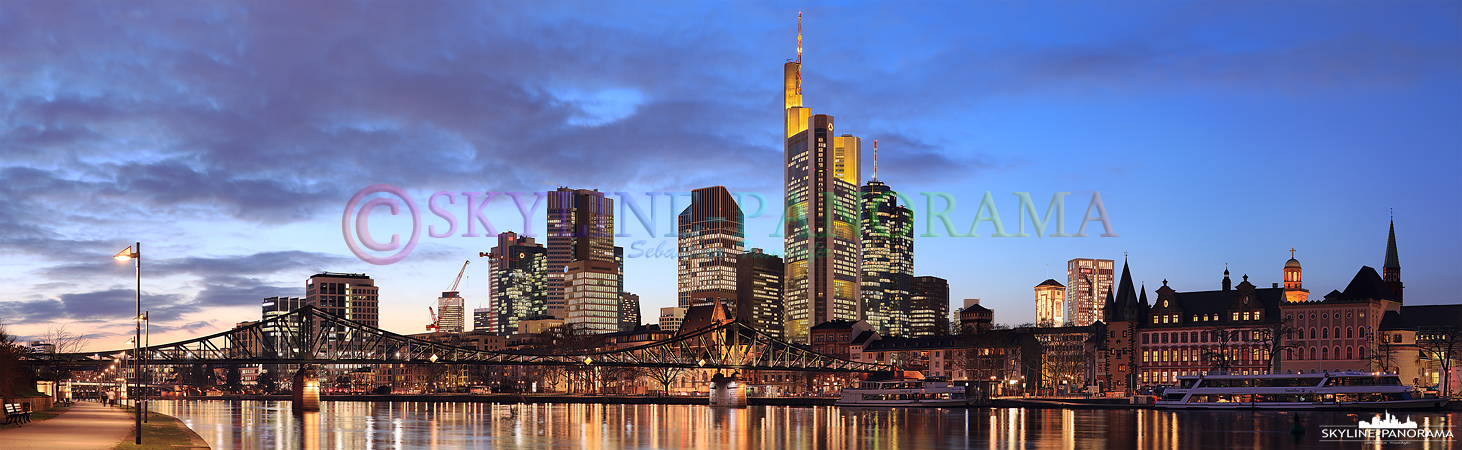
(270, 425)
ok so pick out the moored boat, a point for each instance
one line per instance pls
(1330, 390)
(916, 392)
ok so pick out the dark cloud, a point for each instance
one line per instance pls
(263, 263)
(116, 113)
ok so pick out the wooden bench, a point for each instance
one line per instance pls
(15, 414)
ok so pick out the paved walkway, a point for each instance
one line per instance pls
(86, 426)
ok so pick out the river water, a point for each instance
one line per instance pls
(260, 425)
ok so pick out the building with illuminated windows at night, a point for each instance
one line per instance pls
(711, 236)
(888, 258)
(519, 279)
(822, 202)
(1087, 281)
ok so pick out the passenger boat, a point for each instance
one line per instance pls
(1331, 390)
(925, 392)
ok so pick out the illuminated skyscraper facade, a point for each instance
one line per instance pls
(591, 296)
(822, 227)
(580, 228)
(1087, 284)
(928, 306)
(451, 313)
(519, 269)
(759, 292)
(888, 260)
(711, 235)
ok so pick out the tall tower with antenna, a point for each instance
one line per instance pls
(822, 228)
(888, 258)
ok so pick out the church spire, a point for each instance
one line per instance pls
(1391, 270)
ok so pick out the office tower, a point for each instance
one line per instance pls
(451, 313)
(670, 318)
(759, 292)
(591, 296)
(710, 237)
(351, 296)
(580, 228)
(888, 257)
(929, 306)
(1051, 304)
(519, 279)
(1087, 282)
(1391, 270)
(278, 306)
(279, 332)
(482, 319)
(629, 311)
(822, 236)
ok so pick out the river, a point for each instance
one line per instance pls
(261, 425)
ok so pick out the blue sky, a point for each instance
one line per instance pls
(228, 137)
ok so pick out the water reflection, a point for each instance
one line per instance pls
(260, 425)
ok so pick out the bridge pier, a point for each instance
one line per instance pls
(306, 391)
(726, 392)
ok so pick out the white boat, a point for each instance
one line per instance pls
(1332, 390)
(926, 392)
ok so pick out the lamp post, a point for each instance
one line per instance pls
(136, 257)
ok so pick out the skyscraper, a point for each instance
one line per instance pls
(711, 236)
(352, 296)
(519, 281)
(1051, 304)
(629, 311)
(580, 228)
(482, 319)
(759, 292)
(822, 236)
(591, 296)
(888, 257)
(451, 313)
(1087, 281)
(277, 306)
(929, 306)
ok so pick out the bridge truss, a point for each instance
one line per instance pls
(311, 336)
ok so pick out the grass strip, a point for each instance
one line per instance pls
(161, 432)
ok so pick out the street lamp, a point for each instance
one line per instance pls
(134, 253)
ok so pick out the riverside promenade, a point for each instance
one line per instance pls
(85, 426)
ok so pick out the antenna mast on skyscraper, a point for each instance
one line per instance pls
(875, 160)
(799, 53)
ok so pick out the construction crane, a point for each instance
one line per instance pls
(459, 276)
(451, 292)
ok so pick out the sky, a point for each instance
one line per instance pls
(228, 138)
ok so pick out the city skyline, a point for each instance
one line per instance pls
(1208, 149)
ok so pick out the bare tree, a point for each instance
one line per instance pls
(1382, 353)
(1275, 340)
(64, 340)
(1441, 344)
(664, 375)
(1221, 356)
